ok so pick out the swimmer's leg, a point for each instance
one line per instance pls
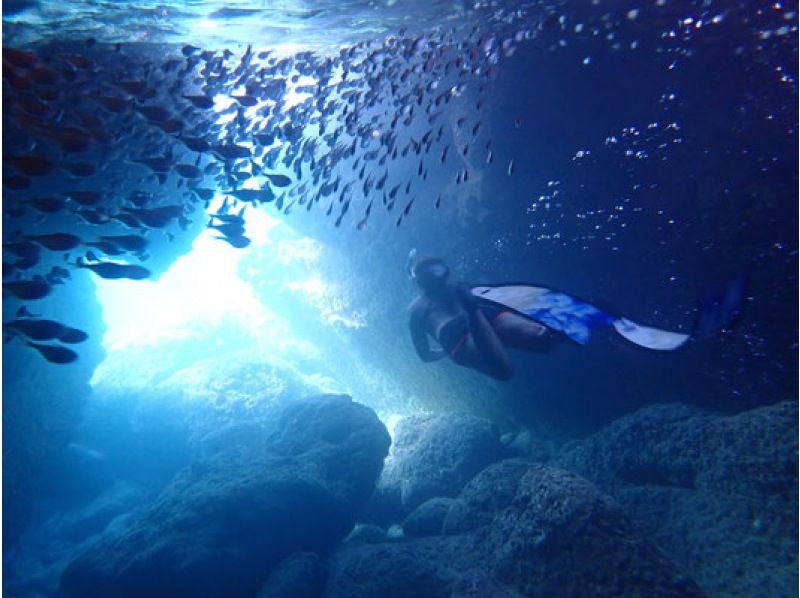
(484, 350)
(518, 332)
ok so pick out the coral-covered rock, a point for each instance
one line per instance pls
(427, 519)
(297, 576)
(224, 522)
(432, 455)
(517, 528)
(717, 493)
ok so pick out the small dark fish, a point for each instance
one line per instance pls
(188, 50)
(265, 194)
(135, 88)
(264, 138)
(56, 241)
(245, 100)
(115, 270)
(79, 169)
(155, 114)
(23, 312)
(128, 220)
(20, 58)
(72, 336)
(27, 289)
(188, 171)
(106, 247)
(128, 242)
(196, 144)
(156, 217)
(26, 263)
(237, 241)
(171, 126)
(140, 198)
(230, 151)
(91, 216)
(279, 180)
(408, 207)
(32, 165)
(112, 103)
(229, 229)
(23, 249)
(72, 141)
(85, 198)
(13, 211)
(36, 330)
(57, 275)
(202, 101)
(204, 194)
(54, 353)
(438, 201)
(16, 182)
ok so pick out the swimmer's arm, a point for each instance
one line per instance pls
(420, 340)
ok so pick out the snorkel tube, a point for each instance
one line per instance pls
(410, 262)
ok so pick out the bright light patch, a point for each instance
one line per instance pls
(292, 97)
(198, 292)
(207, 25)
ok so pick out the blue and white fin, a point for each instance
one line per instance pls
(573, 317)
(650, 338)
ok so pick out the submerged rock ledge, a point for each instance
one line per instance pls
(223, 523)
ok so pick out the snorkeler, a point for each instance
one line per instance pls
(476, 324)
(474, 334)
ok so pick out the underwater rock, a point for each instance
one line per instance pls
(371, 534)
(82, 523)
(43, 402)
(413, 569)
(517, 528)
(495, 487)
(432, 455)
(297, 576)
(717, 493)
(427, 519)
(77, 475)
(224, 522)
(733, 520)
(45, 548)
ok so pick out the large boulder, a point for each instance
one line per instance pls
(432, 455)
(717, 493)
(225, 521)
(427, 519)
(517, 528)
(297, 576)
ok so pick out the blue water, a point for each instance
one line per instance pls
(640, 157)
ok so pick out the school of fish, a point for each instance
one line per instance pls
(104, 146)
